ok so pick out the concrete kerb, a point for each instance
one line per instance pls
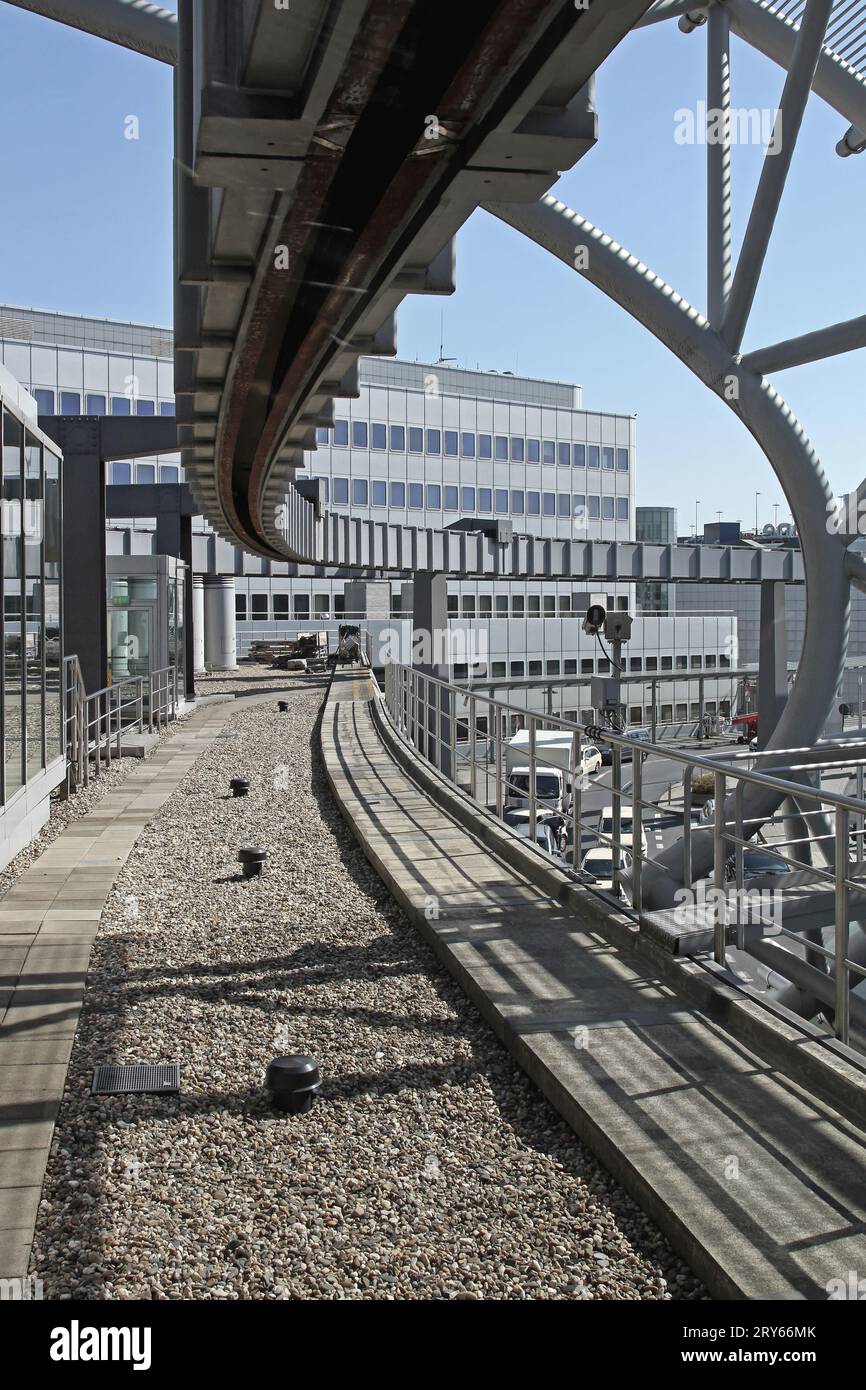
(794, 1046)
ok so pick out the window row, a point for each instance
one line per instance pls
(70, 404)
(498, 501)
(286, 606)
(144, 473)
(570, 666)
(524, 606)
(637, 715)
(502, 448)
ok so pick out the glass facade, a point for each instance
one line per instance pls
(32, 711)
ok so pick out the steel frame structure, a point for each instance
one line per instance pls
(710, 347)
(239, 469)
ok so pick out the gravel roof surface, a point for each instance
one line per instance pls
(430, 1167)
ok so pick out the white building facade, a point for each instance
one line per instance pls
(426, 445)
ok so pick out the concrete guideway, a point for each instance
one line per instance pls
(759, 1186)
(48, 922)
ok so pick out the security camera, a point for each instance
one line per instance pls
(594, 620)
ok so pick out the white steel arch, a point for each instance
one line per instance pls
(709, 346)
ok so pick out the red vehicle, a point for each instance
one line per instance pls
(747, 724)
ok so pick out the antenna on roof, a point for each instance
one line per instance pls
(441, 359)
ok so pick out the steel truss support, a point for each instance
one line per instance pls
(809, 347)
(690, 337)
(774, 173)
(718, 165)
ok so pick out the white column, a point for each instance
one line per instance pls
(220, 643)
(198, 622)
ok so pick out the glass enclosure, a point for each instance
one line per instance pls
(145, 615)
(31, 669)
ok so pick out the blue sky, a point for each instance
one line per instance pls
(92, 235)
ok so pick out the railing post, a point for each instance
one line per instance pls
(739, 875)
(97, 734)
(720, 914)
(636, 825)
(412, 701)
(437, 726)
(616, 799)
(687, 826)
(497, 752)
(119, 704)
(452, 734)
(472, 771)
(532, 789)
(424, 716)
(576, 798)
(842, 926)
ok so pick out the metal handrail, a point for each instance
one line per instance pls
(424, 710)
(95, 722)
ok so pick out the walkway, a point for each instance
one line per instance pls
(48, 921)
(760, 1188)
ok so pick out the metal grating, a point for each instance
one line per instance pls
(140, 1078)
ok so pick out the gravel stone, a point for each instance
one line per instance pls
(429, 1167)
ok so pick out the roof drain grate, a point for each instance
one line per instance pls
(140, 1078)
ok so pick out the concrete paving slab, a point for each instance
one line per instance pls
(14, 1254)
(28, 1077)
(27, 1124)
(18, 1207)
(13, 1052)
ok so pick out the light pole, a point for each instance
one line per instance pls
(697, 504)
(757, 495)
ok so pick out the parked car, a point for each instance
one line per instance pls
(590, 759)
(639, 735)
(635, 736)
(599, 864)
(547, 828)
(626, 828)
(758, 863)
